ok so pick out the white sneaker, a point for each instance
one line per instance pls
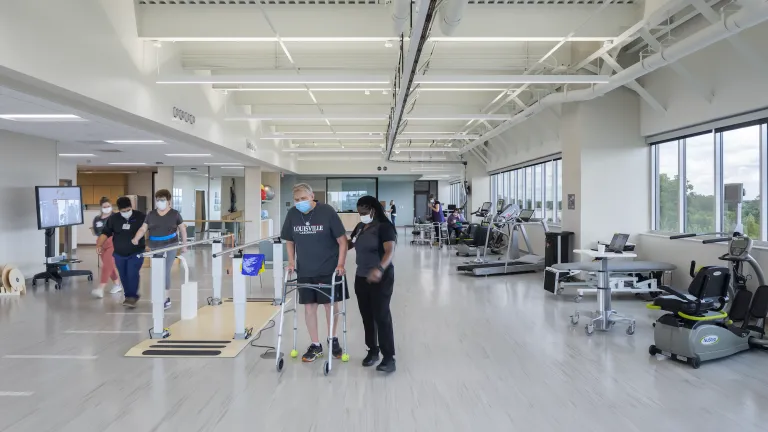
(116, 289)
(98, 293)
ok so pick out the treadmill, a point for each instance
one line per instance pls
(512, 262)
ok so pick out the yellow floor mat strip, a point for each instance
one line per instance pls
(208, 335)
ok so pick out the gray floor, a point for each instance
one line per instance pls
(473, 354)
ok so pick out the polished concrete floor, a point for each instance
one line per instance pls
(473, 354)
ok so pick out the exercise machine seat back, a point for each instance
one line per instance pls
(708, 291)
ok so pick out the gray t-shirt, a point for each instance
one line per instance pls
(314, 234)
(98, 224)
(163, 226)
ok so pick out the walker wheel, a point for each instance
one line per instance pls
(577, 299)
(294, 353)
(652, 350)
(589, 328)
(631, 330)
(326, 368)
(90, 277)
(345, 357)
(57, 286)
(280, 364)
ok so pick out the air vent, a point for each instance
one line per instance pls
(110, 151)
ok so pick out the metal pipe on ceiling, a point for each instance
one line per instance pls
(451, 13)
(744, 19)
(401, 10)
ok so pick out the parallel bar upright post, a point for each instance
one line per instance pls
(238, 295)
(216, 271)
(277, 270)
(157, 280)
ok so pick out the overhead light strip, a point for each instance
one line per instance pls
(369, 150)
(328, 117)
(135, 141)
(41, 117)
(512, 79)
(126, 163)
(188, 154)
(77, 154)
(352, 39)
(364, 137)
(275, 79)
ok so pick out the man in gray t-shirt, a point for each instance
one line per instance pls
(317, 247)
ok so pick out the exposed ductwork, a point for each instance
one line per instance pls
(450, 15)
(745, 18)
(401, 10)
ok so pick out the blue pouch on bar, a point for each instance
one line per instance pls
(253, 264)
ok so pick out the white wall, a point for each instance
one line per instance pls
(21, 243)
(68, 171)
(215, 188)
(479, 183)
(533, 139)
(141, 184)
(737, 86)
(189, 183)
(402, 193)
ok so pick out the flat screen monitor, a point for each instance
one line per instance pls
(58, 206)
(451, 207)
(500, 205)
(486, 206)
(526, 215)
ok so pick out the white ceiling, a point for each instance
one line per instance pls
(87, 137)
(356, 37)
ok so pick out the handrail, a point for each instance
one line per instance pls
(183, 245)
(243, 246)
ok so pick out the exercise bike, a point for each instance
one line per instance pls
(465, 244)
(696, 327)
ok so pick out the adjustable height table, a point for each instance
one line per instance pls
(605, 317)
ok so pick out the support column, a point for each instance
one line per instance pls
(272, 206)
(163, 180)
(606, 166)
(252, 204)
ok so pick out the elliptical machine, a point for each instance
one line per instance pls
(697, 328)
(466, 245)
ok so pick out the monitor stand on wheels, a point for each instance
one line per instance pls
(53, 269)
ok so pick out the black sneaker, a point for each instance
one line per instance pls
(336, 348)
(387, 365)
(167, 304)
(313, 352)
(130, 302)
(371, 358)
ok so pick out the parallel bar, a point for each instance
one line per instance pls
(244, 245)
(183, 245)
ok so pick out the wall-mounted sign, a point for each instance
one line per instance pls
(571, 201)
(183, 116)
(249, 145)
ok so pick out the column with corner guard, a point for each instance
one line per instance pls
(238, 296)
(277, 270)
(157, 283)
(216, 271)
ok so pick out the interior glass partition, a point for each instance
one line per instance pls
(343, 192)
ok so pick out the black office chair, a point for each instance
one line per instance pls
(708, 291)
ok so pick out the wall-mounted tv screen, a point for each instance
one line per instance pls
(58, 206)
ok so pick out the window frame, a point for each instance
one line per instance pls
(718, 168)
(512, 186)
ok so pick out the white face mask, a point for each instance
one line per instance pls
(106, 210)
(126, 214)
(162, 204)
(431, 200)
(366, 219)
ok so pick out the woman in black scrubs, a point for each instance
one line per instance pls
(374, 240)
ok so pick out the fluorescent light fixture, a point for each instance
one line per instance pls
(357, 89)
(285, 50)
(426, 149)
(41, 117)
(135, 141)
(222, 163)
(127, 163)
(331, 150)
(107, 172)
(188, 154)
(336, 159)
(366, 137)
(232, 167)
(313, 97)
(511, 79)
(307, 117)
(478, 39)
(276, 79)
(327, 117)
(521, 39)
(76, 154)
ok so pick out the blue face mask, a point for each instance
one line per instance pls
(304, 206)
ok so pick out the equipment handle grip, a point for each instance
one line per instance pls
(682, 236)
(716, 240)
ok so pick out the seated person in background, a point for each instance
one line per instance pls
(455, 223)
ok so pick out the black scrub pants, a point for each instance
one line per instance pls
(373, 300)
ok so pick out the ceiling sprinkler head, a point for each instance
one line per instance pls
(367, 92)
(388, 44)
(157, 44)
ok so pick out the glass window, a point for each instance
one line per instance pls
(549, 193)
(700, 184)
(528, 188)
(343, 193)
(538, 191)
(559, 169)
(741, 164)
(520, 195)
(669, 187)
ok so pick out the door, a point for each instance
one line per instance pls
(65, 233)
(420, 205)
(200, 213)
